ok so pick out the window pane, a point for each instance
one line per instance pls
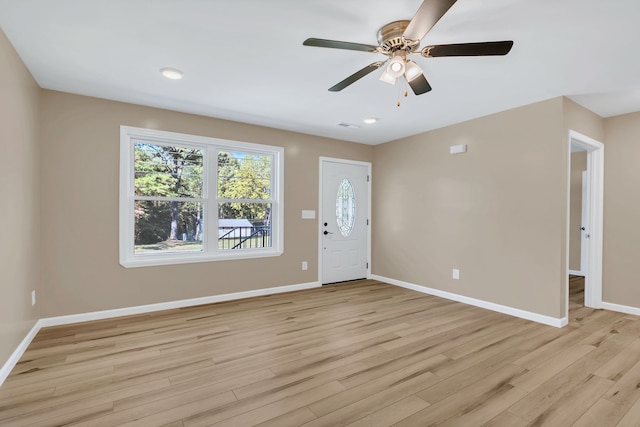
(244, 176)
(167, 171)
(244, 225)
(167, 226)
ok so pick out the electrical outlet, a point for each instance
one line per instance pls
(456, 274)
(304, 265)
(33, 297)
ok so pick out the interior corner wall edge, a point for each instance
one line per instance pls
(19, 253)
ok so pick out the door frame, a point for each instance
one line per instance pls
(322, 160)
(584, 219)
(595, 210)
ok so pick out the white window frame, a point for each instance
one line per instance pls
(210, 147)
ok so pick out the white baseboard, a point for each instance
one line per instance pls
(127, 311)
(18, 352)
(576, 273)
(535, 317)
(620, 308)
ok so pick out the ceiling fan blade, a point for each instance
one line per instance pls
(335, 44)
(467, 49)
(428, 14)
(419, 85)
(356, 76)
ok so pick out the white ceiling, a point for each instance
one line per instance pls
(243, 59)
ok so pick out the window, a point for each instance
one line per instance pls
(186, 198)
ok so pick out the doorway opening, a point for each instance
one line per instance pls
(584, 222)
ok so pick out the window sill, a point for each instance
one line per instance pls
(172, 259)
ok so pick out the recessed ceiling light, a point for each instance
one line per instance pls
(370, 120)
(171, 73)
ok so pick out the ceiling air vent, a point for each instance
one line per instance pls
(348, 125)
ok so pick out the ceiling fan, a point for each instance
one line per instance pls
(399, 39)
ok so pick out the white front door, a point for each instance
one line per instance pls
(344, 221)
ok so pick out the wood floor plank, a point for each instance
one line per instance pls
(467, 399)
(607, 413)
(505, 419)
(161, 411)
(367, 403)
(626, 390)
(357, 402)
(620, 363)
(456, 377)
(292, 418)
(123, 402)
(540, 374)
(63, 415)
(64, 402)
(488, 408)
(392, 414)
(574, 403)
(361, 354)
(630, 419)
(277, 409)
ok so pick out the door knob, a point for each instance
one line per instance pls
(582, 228)
(327, 232)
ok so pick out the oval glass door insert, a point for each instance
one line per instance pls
(346, 208)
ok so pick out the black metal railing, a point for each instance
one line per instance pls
(244, 237)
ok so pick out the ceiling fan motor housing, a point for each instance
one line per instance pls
(390, 37)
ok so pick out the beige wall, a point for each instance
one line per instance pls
(495, 212)
(622, 210)
(578, 165)
(581, 120)
(80, 266)
(19, 195)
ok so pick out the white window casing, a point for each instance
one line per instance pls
(211, 248)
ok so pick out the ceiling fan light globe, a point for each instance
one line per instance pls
(396, 66)
(412, 71)
(388, 78)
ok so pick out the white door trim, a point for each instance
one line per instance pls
(320, 213)
(584, 222)
(595, 170)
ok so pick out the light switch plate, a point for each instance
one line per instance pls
(308, 214)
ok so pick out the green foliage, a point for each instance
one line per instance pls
(152, 219)
(246, 178)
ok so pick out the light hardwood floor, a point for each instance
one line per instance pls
(355, 354)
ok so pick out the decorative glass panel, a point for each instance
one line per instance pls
(346, 208)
